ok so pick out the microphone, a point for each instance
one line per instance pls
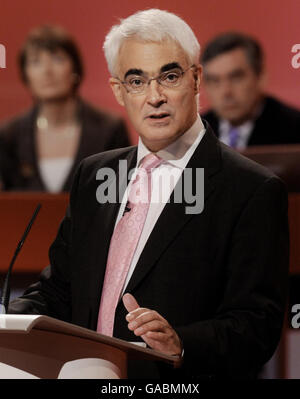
(4, 301)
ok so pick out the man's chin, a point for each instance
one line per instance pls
(158, 142)
(235, 118)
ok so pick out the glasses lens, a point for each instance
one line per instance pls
(136, 84)
(171, 78)
(139, 84)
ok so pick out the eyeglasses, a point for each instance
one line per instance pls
(137, 84)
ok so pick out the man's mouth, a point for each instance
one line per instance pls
(161, 115)
(230, 105)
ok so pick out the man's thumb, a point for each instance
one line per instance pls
(129, 302)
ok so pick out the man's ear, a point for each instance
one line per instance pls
(117, 90)
(197, 77)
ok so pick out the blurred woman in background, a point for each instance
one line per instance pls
(44, 146)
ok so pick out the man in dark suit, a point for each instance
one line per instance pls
(206, 284)
(241, 113)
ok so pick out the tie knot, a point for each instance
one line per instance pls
(150, 161)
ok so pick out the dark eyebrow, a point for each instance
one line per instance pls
(134, 71)
(164, 68)
(168, 67)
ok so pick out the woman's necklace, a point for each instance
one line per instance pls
(43, 126)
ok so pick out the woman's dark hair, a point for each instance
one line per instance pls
(230, 41)
(51, 38)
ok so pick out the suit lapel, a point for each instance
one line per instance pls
(86, 136)
(174, 217)
(28, 151)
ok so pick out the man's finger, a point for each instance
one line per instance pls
(153, 325)
(139, 319)
(130, 302)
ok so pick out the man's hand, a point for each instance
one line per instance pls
(152, 327)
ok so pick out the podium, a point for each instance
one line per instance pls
(43, 347)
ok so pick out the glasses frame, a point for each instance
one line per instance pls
(157, 78)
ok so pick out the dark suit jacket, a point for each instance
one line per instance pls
(218, 277)
(100, 131)
(277, 124)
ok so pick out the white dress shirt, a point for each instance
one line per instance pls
(164, 179)
(244, 132)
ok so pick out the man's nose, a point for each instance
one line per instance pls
(226, 88)
(155, 94)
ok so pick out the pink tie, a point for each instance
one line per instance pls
(123, 243)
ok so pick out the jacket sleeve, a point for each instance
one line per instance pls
(246, 329)
(8, 159)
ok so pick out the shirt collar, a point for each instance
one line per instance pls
(244, 128)
(178, 152)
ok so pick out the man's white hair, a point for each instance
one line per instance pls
(152, 25)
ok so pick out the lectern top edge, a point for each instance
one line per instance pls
(26, 323)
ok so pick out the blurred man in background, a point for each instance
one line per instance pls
(241, 113)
